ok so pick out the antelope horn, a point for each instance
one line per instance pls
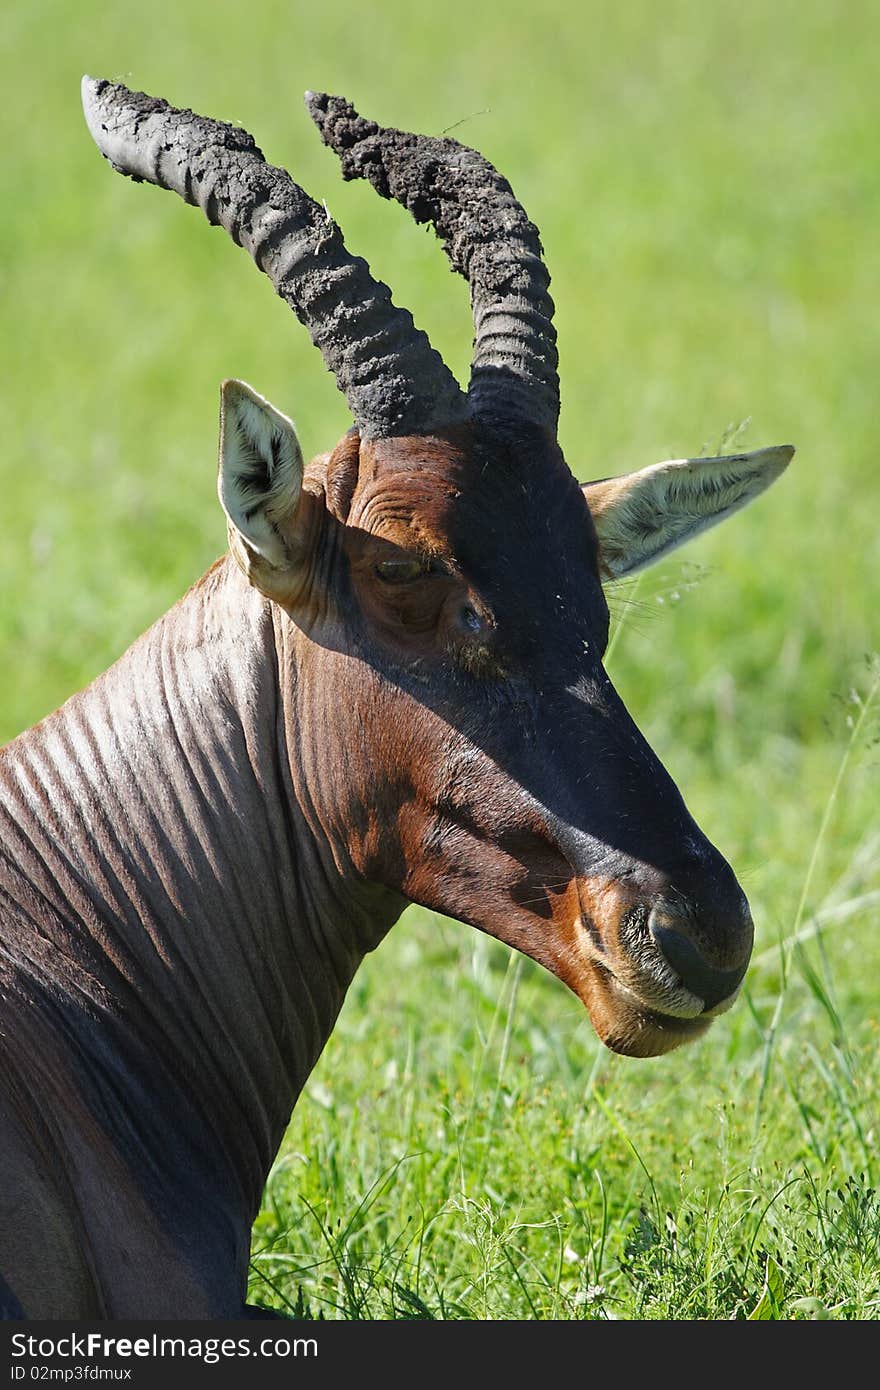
(487, 237)
(391, 377)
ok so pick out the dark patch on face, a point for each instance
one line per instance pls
(504, 516)
(488, 680)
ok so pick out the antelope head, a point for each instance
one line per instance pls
(438, 580)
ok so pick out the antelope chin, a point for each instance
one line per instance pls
(651, 1034)
(633, 1025)
(638, 1005)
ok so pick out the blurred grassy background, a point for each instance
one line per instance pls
(707, 184)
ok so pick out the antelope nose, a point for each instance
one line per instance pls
(707, 981)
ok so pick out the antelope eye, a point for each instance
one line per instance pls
(401, 571)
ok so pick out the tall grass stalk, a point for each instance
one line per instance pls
(788, 946)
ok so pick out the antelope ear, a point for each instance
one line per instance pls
(261, 471)
(641, 516)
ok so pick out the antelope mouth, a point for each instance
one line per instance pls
(639, 1007)
(632, 1026)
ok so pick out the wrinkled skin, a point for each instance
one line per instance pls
(197, 851)
(392, 691)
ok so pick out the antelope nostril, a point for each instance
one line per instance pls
(706, 981)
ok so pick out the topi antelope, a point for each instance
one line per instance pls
(390, 690)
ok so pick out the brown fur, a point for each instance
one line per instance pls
(197, 851)
(391, 691)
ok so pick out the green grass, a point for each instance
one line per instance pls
(708, 189)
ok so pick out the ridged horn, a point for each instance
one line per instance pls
(391, 377)
(487, 237)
